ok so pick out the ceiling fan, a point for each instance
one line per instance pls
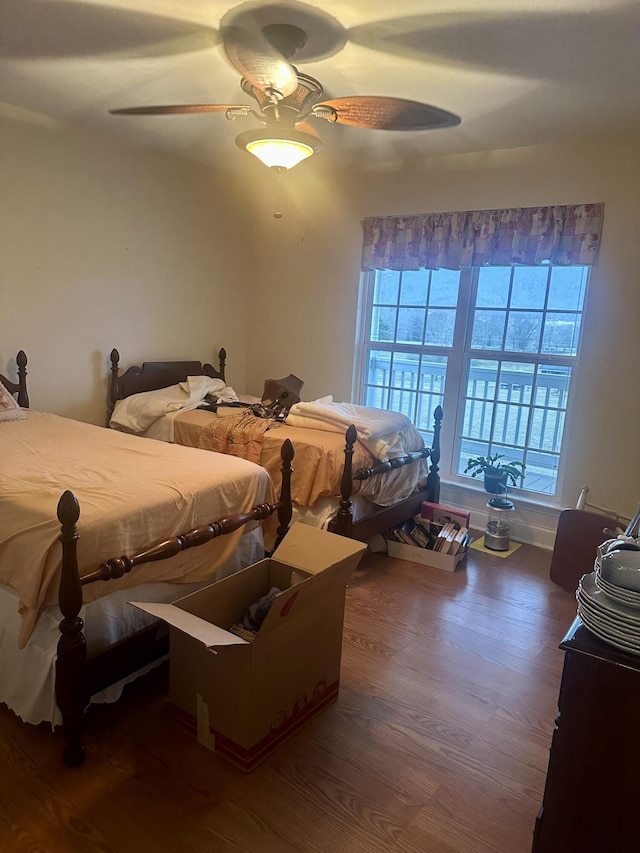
(287, 98)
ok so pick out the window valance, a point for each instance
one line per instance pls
(568, 234)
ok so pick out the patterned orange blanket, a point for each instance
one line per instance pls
(239, 434)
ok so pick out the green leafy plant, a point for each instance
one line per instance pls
(511, 471)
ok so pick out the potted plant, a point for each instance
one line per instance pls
(497, 474)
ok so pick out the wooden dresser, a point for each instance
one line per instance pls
(592, 794)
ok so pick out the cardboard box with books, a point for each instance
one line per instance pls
(439, 537)
(244, 691)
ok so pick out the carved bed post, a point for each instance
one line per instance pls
(23, 396)
(285, 509)
(72, 694)
(114, 390)
(222, 363)
(344, 516)
(433, 478)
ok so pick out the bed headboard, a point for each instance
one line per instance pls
(158, 374)
(20, 387)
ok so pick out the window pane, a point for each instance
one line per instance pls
(510, 454)
(385, 290)
(383, 324)
(488, 329)
(377, 371)
(481, 378)
(404, 371)
(414, 287)
(410, 325)
(511, 425)
(523, 331)
(477, 419)
(547, 426)
(440, 326)
(552, 386)
(445, 285)
(493, 287)
(433, 369)
(568, 288)
(516, 382)
(561, 334)
(470, 447)
(541, 474)
(377, 398)
(427, 404)
(529, 287)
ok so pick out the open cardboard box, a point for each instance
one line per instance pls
(244, 698)
(425, 556)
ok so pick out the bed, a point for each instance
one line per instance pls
(132, 492)
(339, 483)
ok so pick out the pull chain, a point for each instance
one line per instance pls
(277, 213)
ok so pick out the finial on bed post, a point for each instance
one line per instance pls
(433, 478)
(23, 396)
(72, 694)
(114, 385)
(222, 362)
(344, 516)
(285, 509)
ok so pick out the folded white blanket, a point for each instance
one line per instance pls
(137, 413)
(380, 430)
(371, 423)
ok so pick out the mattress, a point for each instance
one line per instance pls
(131, 491)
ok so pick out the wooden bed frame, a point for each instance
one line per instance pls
(160, 374)
(79, 676)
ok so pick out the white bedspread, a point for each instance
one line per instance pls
(153, 412)
(379, 430)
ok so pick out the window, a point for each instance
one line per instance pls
(496, 346)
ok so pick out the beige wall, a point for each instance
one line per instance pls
(103, 246)
(305, 308)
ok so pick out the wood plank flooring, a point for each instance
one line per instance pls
(438, 743)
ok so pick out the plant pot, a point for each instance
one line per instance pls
(495, 481)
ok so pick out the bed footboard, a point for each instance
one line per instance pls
(78, 676)
(385, 517)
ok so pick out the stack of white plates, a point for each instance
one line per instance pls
(614, 618)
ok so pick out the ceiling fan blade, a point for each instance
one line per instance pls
(177, 109)
(258, 61)
(380, 113)
(305, 127)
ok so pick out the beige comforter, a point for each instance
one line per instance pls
(319, 460)
(131, 492)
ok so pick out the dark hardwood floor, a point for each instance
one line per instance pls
(438, 743)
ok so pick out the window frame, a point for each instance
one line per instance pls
(456, 372)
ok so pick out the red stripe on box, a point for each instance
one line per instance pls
(249, 758)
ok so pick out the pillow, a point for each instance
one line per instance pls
(9, 409)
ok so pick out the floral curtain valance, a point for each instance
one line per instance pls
(568, 234)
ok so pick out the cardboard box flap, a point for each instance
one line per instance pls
(314, 550)
(300, 599)
(208, 634)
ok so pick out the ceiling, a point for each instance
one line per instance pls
(517, 72)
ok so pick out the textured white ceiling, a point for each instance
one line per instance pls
(517, 72)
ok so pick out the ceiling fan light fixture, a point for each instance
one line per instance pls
(279, 149)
